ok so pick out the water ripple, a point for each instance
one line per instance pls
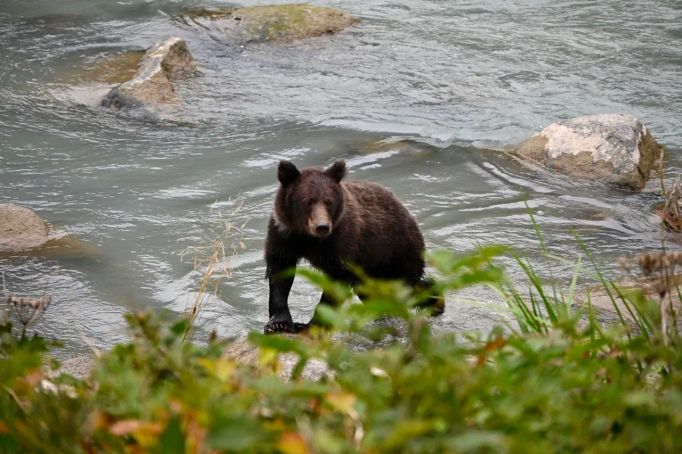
(414, 97)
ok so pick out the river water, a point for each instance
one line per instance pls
(421, 96)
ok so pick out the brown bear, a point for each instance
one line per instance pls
(331, 223)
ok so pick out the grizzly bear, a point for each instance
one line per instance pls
(332, 223)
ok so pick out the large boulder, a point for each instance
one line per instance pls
(613, 148)
(21, 228)
(272, 23)
(161, 65)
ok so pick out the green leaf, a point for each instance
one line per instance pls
(172, 439)
(477, 441)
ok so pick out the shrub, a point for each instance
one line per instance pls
(559, 381)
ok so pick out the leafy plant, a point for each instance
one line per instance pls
(560, 381)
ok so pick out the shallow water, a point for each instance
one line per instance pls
(456, 80)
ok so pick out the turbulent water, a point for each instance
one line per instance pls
(416, 97)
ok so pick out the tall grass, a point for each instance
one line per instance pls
(211, 262)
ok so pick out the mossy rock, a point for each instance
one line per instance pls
(272, 23)
(152, 83)
(198, 14)
(110, 69)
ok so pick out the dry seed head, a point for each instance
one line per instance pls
(652, 262)
(37, 303)
(28, 309)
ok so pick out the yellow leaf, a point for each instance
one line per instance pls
(222, 368)
(148, 433)
(341, 401)
(292, 443)
(268, 357)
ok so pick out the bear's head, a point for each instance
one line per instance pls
(310, 201)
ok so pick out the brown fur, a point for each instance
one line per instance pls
(368, 227)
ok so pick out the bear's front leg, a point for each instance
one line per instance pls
(281, 256)
(280, 318)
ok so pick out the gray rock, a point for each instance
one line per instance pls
(152, 85)
(21, 228)
(270, 23)
(614, 148)
(79, 366)
(244, 352)
(241, 351)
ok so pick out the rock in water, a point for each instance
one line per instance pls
(614, 148)
(160, 66)
(109, 69)
(244, 352)
(272, 23)
(20, 228)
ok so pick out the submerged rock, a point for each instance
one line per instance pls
(161, 65)
(607, 304)
(23, 232)
(614, 148)
(403, 146)
(272, 23)
(21, 228)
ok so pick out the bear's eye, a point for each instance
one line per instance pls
(310, 202)
(328, 203)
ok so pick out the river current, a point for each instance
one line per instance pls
(420, 96)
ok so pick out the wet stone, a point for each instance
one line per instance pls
(270, 23)
(162, 65)
(612, 148)
(21, 228)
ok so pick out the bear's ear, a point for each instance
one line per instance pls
(287, 173)
(337, 171)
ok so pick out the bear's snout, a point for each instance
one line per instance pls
(322, 229)
(320, 223)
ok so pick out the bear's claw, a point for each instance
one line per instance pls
(279, 327)
(284, 327)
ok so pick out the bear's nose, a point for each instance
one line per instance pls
(322, 229)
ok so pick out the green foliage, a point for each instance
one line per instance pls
(560, 382)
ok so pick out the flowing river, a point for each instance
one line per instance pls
(420, 96)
